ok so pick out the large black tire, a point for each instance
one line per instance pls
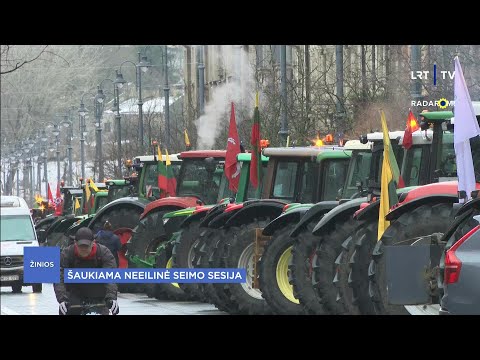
(182, 256)
(204, 241)
(275, 287)
(144, 232)
(17, 288)
(421, 221)
(245, 299)
(167, 291)
(37, 288)
(360, 255)
(301, 270)
(328, 258)
(150, 251)
(212, 255)
(119, 217)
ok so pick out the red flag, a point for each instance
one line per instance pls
(412, 126)
(58, 202)
(232, 166)
(50, 196)
(255, 163)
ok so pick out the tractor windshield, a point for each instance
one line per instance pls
(294, 180)
(101, 202)
(202, 178)
(358, 173)
(334, 174)
(117, 192)
(68, 204)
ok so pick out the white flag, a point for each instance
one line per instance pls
(466, 127)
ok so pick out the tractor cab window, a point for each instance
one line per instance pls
(308, 181)
(334, 175)
(285, 176)
(414, 165)
(101, 202)
(200, 178)
(117, 192)
(447, 165)
(150, 178)
(251, 191)
(68, 204)
(358, 173)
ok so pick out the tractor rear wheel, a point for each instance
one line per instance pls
(421, 221)
(169, 291)
(145, 231)
(182, 257)
(245, 298)
(301, 270)
(274, 278)
(330, 267)
(359, 256)
(211, 255)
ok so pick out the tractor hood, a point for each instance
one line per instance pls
(441, 188)
(182, 202)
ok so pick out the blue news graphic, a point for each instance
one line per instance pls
(41, 264)
(180, 275)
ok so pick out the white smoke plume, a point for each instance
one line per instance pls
(239, 89)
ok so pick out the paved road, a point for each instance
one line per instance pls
(28, 303)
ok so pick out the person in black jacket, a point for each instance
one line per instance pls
(107, 238)
(85, 253)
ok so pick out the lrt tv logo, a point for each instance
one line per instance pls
(424, 75)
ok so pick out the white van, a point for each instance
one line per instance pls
(16, 231)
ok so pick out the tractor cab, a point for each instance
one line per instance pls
(305, 174)
(146, 171)
(119, 188)
(201, 176)
(93, 203)
(70, 193)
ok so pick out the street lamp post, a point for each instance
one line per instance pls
(142, 66)
(19, 154)
(55, 133)
(167, 102)
(118, 84)
(99, 98)
(82, 111)
(44, 138)
(69, 123)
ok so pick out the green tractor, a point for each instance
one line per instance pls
(191, 224)
(200, 182)
(142, 189)
(303, 174)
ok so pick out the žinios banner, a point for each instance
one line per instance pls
(42, 265)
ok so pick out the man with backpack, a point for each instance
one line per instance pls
(85, 253)
(107, 238)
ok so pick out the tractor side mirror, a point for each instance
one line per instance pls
(41, 235)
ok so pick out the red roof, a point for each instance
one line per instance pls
(203, 154)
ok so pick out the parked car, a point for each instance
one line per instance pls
(460, 270)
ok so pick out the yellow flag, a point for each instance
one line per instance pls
(167, 161)
(77, 204)
(87, 189)
(159, 153)
(385, 182)
(187, 140)
(93, 186)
